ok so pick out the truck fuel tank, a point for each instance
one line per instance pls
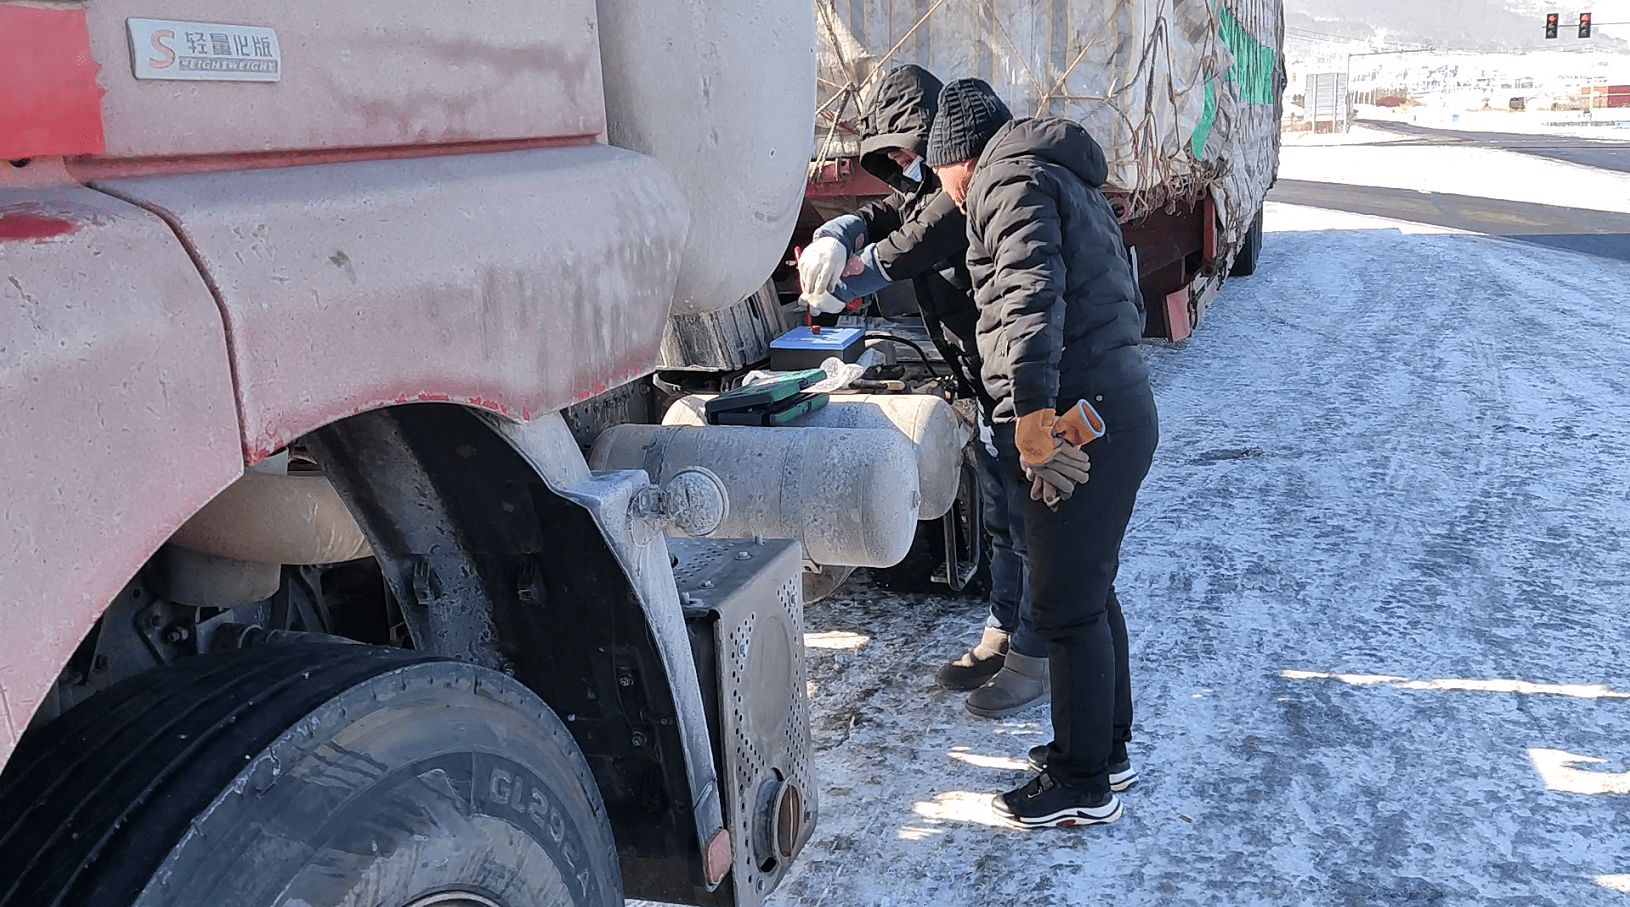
(929, 423)
(848, 495)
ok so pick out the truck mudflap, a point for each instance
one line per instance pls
(516, 282)
(743, 605)
(639, 546)
(739, 686)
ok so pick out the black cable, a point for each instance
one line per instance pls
(878, 335)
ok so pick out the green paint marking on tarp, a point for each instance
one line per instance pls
(1254, 63)
(1253, 73)
(1202, 130)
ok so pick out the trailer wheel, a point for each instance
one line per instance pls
(1250, 249)
(326, 775)
(924, 568)
(914, 574)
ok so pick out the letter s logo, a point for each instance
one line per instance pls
(168, 58)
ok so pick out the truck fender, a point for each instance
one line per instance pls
(120, 421)
(502, 550)
(547, 445)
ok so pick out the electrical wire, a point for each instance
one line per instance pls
(879, 335)
(1303, 35)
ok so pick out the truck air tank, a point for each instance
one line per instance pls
(933, 429)
(849, 496)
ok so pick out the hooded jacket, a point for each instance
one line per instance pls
(919, 234)
(1060, 314)
(899, 116)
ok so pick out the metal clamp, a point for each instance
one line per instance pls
(693, 503)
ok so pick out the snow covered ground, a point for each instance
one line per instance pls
(1371, 157)
(1377, 590)
(1535, 122)
(1528, 121)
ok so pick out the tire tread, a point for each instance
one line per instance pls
(183, 732)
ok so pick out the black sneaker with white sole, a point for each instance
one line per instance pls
(1121, 774)
(1045, 802)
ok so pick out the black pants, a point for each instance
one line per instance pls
(1074, 554)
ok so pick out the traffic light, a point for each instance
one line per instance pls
(1584, 25)
(1551, 20)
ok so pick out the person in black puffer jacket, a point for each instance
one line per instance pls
(919, 234)
(1060, 320)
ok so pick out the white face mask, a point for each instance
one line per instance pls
(915, 171)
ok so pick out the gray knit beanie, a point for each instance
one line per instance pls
(970, 113)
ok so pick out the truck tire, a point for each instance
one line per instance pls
(1250, 248)
(914, 574)
(326, 775)
(926, 558)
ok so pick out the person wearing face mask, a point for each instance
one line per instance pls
(919, 234)
(1060, 321)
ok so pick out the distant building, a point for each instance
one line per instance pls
(1325, 99)
(1599, 96)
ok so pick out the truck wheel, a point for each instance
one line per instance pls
(339, 776)
(1250, 248)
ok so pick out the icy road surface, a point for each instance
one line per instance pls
(1377, 591)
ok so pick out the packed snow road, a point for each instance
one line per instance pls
(1377, 589)
(1607, 154)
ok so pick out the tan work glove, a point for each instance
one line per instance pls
(1055, 478)
(1034, 436)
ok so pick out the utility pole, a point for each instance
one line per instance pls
(1381, 53)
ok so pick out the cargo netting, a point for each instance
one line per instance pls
(1184, 96)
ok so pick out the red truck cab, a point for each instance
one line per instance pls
(295, 296)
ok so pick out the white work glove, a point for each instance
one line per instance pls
(822, 303)
(1054, 479)
(821, 265)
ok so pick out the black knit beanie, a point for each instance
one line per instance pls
(970, 113)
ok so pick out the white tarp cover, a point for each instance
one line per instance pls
(1183, 95)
